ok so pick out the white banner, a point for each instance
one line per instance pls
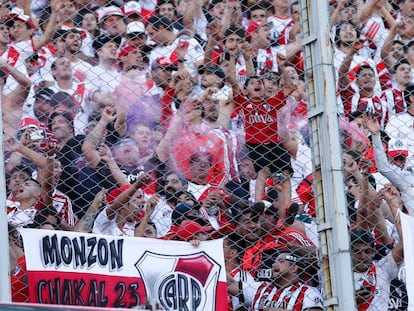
(73, 268)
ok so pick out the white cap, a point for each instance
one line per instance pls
(108, 11)
(135, 27)
(131, 7)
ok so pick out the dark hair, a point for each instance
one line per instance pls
(157, 21)
(338, 30)
(400, 62)
(62, 98)
(22, 168)
(409, 91)
(59, 34)
(65, 114)
(353, 153)
(362, 237)
(3, 76)
(408, 45)
(235, 31)
(180, 176)
(364, 66)
(250, 78)
(72, 30)
(81, 15)
(254, 7)
(161, 2)
(238, 213)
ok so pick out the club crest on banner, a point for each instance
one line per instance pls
(180, 283)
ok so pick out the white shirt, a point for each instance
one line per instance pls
(103, 80)
(18, 217)
(193, 57)
(104, 225)
(403, 179)
(385, 271)
(401, 127)
(161, 217)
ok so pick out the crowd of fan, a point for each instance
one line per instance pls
(187, 120)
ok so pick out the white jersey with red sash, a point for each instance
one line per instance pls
(296, 297)
(377, 279)
(13, 58)
(395, 101)
(279, 25)
(194, 53)
(87, 40)
(79, 94)
(266, 60)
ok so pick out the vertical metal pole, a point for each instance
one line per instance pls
(329, 185)
(5, 291)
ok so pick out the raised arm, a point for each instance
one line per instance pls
(189, 109)
(343, 81)
(46, 176)
(95, 138)
(149, 208)
(124, 197)
(386, 55)
(51, 27)
(85, 224)
(17, 97)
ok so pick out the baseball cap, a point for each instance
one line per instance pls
(100, 41)
(18, 14)
(131, 8)
(189, 228)
(163, 63)
(29, 123)
(254, 25)
(135, 28)
(113, 194)
(179, 211)
(397, 148)
(126, 50)
(212, 69)
(45, 92)
(106, 11)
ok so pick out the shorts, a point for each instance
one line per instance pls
(272, 155)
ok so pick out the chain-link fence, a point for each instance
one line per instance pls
(195, 120)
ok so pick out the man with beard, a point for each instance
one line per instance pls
(284, 292)
(73, 43)
(174, 185)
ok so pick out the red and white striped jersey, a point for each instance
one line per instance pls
(296, 297)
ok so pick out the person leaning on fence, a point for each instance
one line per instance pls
(284, 291)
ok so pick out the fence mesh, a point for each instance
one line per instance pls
(188, 120)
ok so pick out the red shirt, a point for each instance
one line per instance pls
(19, 288)
(260, 118)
